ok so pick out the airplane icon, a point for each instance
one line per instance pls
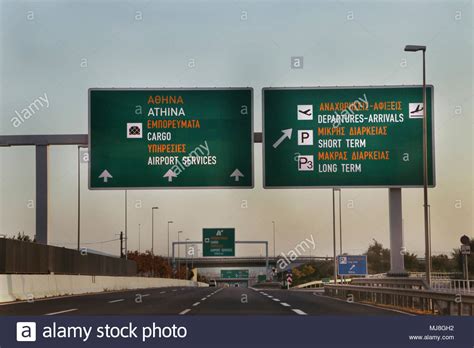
(305, 112)
(418, 109)
(415, 110)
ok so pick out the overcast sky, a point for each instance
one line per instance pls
(62, 48)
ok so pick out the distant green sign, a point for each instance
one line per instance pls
(346, 137)
(234, 273)
(218, 242)
(170, 138)
(261, 278)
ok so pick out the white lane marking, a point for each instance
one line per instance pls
(175, 290)
(277, 300)
(270, 296)
(185, 311)
(145, 295)
(298, 311)
(285, 304)
(196, 304)
(163, 292)
(115, 301)
(208, 296)
(203, 299)
(61, 312)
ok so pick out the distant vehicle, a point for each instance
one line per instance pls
(212, 283)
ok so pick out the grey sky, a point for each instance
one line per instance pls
(233, 43)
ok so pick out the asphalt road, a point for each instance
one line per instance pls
(193, 301)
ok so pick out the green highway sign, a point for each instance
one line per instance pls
(234, 273)
(218, 242)
(346, 137)
(170, 138)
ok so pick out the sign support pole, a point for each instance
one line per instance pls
(397, 262)
(334, 234)
(42, 194)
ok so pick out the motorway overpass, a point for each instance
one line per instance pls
(255, 261)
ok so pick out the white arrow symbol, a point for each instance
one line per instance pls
(236, 174)
(105, 175)
(286, 134)
(352, 267)
(170, 175)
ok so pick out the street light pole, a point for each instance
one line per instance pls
(139, 247)
(413, 48)
(186, 249)
(153, 240)
(169, 222)
(79, 198)
(334, 234)
(274, 254)
(126, 231)
(179, 232)
(340, 222)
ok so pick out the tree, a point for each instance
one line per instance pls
(459, 259)
(378, 258)
(21, 236)
(147, 264)
(442, 263)
(412, 263)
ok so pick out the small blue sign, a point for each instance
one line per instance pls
(352, 265)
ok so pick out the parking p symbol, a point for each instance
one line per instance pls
(305, 137)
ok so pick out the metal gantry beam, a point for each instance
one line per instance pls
(43, 139)
(41, 142)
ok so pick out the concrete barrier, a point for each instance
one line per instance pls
(31, 286)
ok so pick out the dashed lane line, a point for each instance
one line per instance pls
(298, 311)
(115, 301)
(196, 304)
(185, 311)
(285, 304)
(61, 312)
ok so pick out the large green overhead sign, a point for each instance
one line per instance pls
(346, 137)
(165, 138)
(218, 242)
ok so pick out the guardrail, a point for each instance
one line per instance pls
(434, 275)
(399, 283)
(319, 283)
(414, 300)
(437, 275)
(453, 285)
